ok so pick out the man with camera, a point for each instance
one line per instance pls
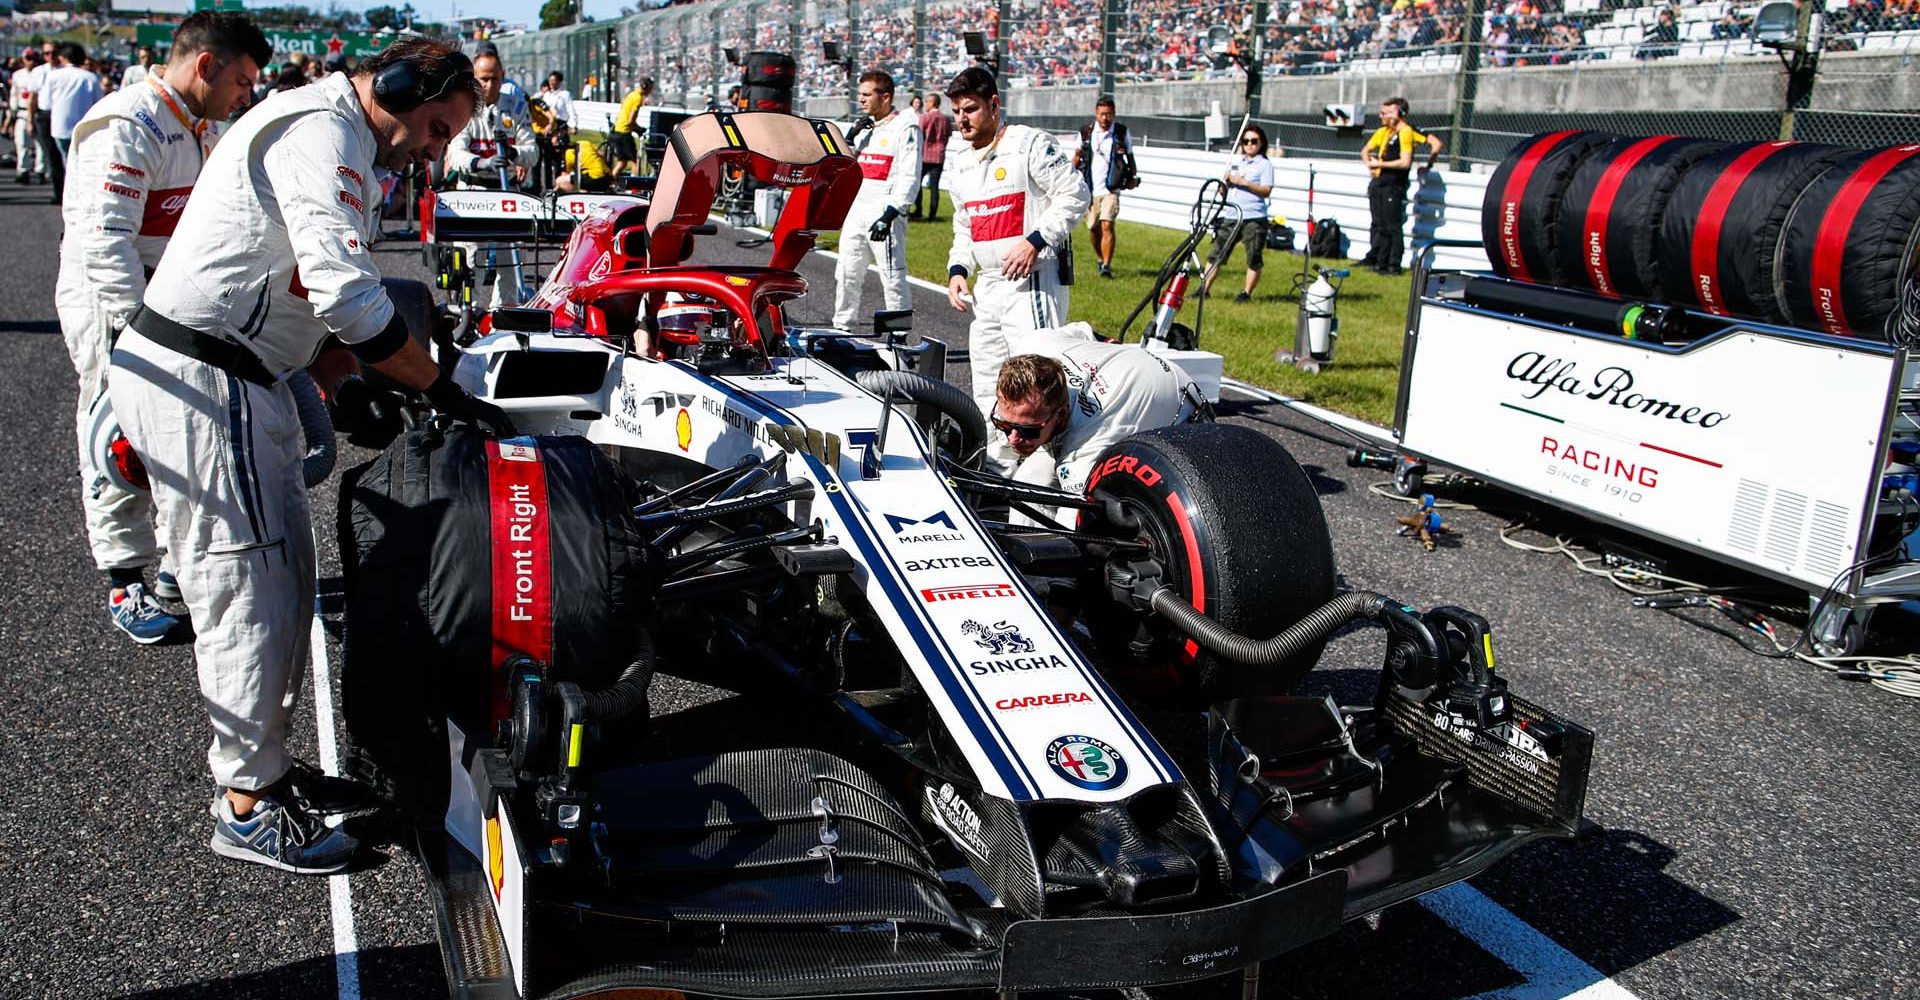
(1105, 160)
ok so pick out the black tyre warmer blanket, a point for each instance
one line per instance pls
(1520, 217)
(1609, 237)
(1720, 246)
(1850, 245)
(461, 550)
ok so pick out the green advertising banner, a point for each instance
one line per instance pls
(318, 44)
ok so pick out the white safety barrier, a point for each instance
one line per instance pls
(1446, 205)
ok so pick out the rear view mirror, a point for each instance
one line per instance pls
(893, 321)
(523, 320)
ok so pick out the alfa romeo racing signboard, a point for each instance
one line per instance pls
(1755, 447)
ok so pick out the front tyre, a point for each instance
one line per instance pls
(1234, 525)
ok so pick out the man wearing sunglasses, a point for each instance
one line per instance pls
(1063, 404)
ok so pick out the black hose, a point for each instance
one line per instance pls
(1318, 624)
(937, 394)
(629, 692)
(315, 426)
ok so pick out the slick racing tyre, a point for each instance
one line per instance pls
(1526, 214)
(1610, 230)
(1720, 245)
(458, 551)
(1853, 244)
(1235, 526)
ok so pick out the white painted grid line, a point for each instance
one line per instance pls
(346, 949)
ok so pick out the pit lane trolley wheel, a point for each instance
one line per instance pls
(1232, 522)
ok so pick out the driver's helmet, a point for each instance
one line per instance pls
(684, 322)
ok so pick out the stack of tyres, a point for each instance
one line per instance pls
(1610, 225)
(767, 80)
(1852, 245)
(1526, 199)
(1720, 248)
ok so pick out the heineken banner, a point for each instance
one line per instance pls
(318, 44)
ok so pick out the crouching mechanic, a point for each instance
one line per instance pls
(876, 225)
(1073, 396)
(132, 162)
(1016, 197)
(271, 257)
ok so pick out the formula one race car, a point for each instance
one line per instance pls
(972, 754)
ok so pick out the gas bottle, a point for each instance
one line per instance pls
(1322, 327)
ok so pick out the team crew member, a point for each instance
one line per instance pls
(67, 91)
(1073, 396)
(626, 150)
(272, 255)
(1389, 154)
(132, 163)
(477, 153)
(889, 154)
(26, 146)
(1105, 159)
(585, 168)
(1016, 197)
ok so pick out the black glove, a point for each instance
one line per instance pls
(883, 227)
(449, 398)
(369, 417)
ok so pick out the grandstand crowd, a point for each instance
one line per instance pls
(1058, 42)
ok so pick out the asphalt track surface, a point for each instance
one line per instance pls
(1756, 819)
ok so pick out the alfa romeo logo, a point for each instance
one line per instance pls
(1087, 762)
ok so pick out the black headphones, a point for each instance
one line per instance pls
(399, 87)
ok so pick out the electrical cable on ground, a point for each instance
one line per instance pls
(1898, 675)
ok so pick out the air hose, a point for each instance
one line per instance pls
(1318, 624)
(315, 426)
(629, 693)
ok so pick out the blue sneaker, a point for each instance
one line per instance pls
(284, 835)
(140, 617)
(165, 587)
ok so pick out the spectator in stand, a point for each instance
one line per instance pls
(1662, 39)
(1389, 155)
(935, 129)
(1105, 161)
(67, 93)
(142, 64)
(1249, 183)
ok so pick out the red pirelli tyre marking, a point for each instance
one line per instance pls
(1514, 193)
(522, 559)
(1830, 247)
(1705, 252)
(1195, 571)
(1600, 210)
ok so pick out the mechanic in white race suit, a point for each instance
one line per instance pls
(133, 160)
(271, 257)
(888, 148)
(1067, 397)
(478, 156)
(1016, 198)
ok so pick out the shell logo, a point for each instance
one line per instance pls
(496, 858)
(683, 429)
(999, 173)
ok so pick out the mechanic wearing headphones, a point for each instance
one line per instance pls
(271, 257)
(889, 152)
(133, 159)
(1016, 197)
(500, 134)
(1066, 402)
